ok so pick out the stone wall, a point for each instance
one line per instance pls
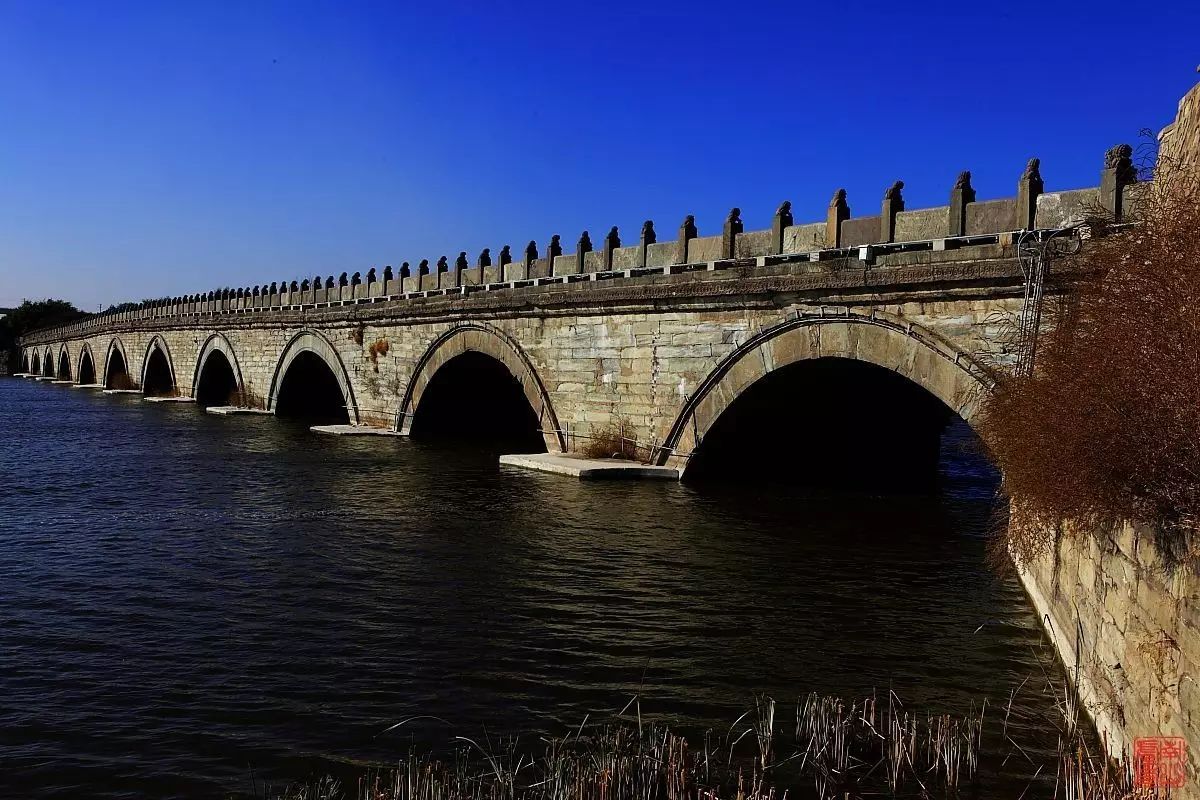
(1126, 622)
(1179, 142)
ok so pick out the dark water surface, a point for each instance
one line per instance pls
(188, 600)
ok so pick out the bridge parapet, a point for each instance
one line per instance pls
(963, 222)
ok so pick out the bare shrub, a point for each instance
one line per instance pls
(243, 398)
(615, 440)
(1107, 425)
(121, 380)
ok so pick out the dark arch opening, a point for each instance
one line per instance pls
(118, 374)
(838, 424)
(474, 397)
(217, 385)
(309, 392)
(87, 370)
(158, 381)
(25, 363)
(37, 364)
(64, 366)
(48, 365)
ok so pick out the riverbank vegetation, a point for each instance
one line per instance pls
(1106, 425)
(829, 749)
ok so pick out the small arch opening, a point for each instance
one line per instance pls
(118, 374)
(158, 381)
(473, 397)
(64, 366)
(309, 392)
(87, 370)
(48, 365)
(37, 364)
(25, 363)
(217, 385)
(838, 424)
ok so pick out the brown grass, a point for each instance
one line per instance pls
(379, 347)
(1107, 425)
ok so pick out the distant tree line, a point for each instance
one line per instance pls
(30, 316)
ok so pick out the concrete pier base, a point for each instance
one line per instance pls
(122, 391)
(353, 430)
(87, 386)
(63, 383)
(44, 378)
(589, 468)
(233, 411)
(169, 399)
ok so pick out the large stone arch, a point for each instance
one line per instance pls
(25, 361)
(85, 351)
(49, 365)
(36, 364)
(64, 351)
(161, 344)
(877, 338)
(313, 342)
(481, 338)
(114, 344)
(217, 342)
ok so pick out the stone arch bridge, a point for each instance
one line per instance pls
(662, 339)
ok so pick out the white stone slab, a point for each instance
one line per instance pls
(87, 386)
(63, 383)
(589, 468)
(169, 399)
(44, 378)
(122, 391)
(230, 411)
(353, 430)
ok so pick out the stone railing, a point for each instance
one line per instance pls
(963, 221)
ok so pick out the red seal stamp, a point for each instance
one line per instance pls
(1159, 762)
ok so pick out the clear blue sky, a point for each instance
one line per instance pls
(164, 148)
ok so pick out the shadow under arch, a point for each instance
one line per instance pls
(876, 339)
(64, 364)
(85, 373)
(37, 363)
(484, 340)
(158, 368)
(316, 346)
(25, 362)
(211, 384)
(48, 363)
(116, 366)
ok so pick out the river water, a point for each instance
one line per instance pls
(189, 603)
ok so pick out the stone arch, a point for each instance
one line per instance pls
(25, 361)
(85, 361)
(48, 365)
(481, 338)
(217, 343)
(37, 363)
(310, 341)
(115, 345)
(160, 344)
(876, 338)
(64, 355)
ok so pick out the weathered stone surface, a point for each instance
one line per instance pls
(1127, 627)
(992, 216)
